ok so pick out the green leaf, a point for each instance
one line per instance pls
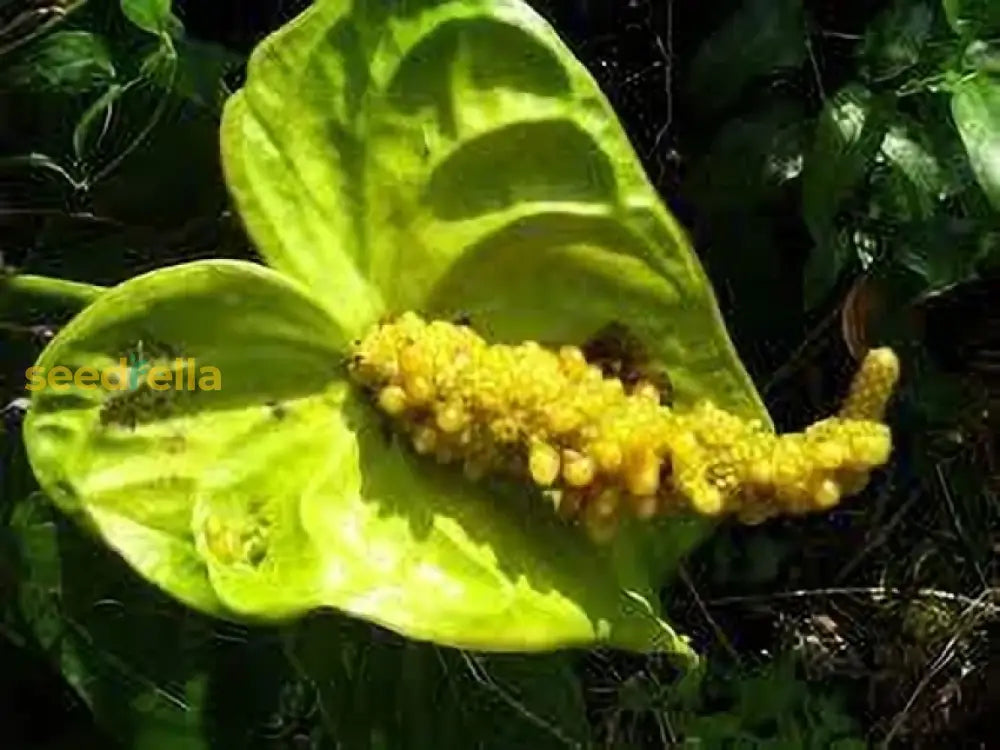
(469, 164)
(975, 106)
(154, 16)
(153, 674)
(69, 62)
(917, 180)
(894, 42)
(279, 493)
(942, 250)
(973, 18)
(902, 149)
(409, 695)
(761, 37)
(436, 156)
(983, 57)
(144, 505)
(201, 73)
(849, 132)
(751, 159)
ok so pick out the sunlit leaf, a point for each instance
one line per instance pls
(762, 36)
(439, 156)
(64, 62)
(976, 109)
(186, 490)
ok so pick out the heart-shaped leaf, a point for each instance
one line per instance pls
(453, 156)
(438, 156)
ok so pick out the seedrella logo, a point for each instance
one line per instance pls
(132, 373)
(138, 368)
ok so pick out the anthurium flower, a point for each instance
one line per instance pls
(448, 157)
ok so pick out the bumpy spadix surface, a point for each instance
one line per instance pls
(608, 448)
(444, 156)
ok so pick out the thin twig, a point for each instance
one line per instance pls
(716, 628)
(480, 675)
(959, 526)
(815, 64)
(939, 663)
(879, 538)
(872, 591)
(794, 361)
(667, 50)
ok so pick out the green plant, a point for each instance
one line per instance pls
(397, 185)
(852, 140)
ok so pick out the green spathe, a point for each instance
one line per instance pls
(446, 157)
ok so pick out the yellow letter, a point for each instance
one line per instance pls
(157, 372)
(211, 379)
(86, 378)
(36, 378)
(116, 378)
(60, 378)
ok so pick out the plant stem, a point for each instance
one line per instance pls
(47, 287)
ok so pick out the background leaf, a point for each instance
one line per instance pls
(976, 109)
(849, 133)
(154, 16)
(760, 37)
(895, 41)
(973, 18)
(64, 62)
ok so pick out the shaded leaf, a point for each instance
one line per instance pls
(926, 183)
(976, 108)
(983, 56)
(201, 72)
(154, 16)
(751, 159)
(824, 267)
(761, 37)
(973, 18)
(849, 132)
(70, 62)
(942, 250)
(895, 41)
(153, 673)
(378, 689)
